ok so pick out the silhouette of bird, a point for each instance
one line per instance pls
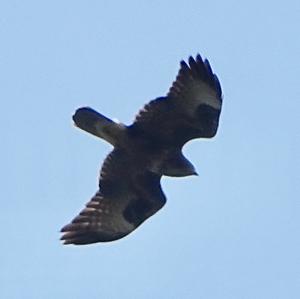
(129, 186)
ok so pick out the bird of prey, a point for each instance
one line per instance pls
(129, 186)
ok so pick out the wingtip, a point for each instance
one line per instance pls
(184, 65)
(63, 240)
(198, 57)
(191, 61)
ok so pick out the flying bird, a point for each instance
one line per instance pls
(129, 186)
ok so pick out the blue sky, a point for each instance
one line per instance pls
(232, 232)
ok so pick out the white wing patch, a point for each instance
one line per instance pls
(200, 93)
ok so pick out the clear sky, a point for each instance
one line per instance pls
(232, 232)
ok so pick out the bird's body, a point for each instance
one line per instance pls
(129, 186)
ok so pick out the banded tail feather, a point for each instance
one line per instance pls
(99, 125)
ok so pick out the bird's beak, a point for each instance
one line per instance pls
(195, 173)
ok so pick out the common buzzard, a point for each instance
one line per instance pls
(129, 187)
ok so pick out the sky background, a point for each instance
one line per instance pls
(232, 232)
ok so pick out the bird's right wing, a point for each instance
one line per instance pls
(190, 110)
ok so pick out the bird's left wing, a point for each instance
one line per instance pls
(128, 195)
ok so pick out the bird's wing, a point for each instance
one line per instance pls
(190, 110)
(127, 197)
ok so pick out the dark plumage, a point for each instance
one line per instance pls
(129, 186)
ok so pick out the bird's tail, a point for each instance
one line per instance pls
(97, 124)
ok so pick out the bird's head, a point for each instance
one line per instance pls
(185, 168)
(178, 166)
